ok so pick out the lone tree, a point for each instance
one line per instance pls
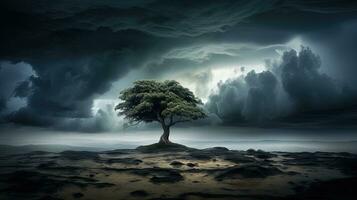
(165, 102)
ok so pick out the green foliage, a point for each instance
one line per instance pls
(165, 102)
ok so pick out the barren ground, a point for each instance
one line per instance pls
(176, 172)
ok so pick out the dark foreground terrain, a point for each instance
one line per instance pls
(177, 172)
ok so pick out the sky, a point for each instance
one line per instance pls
(257, 63)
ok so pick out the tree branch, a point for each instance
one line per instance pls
(179, 121)
(171, 119)
(131, 124)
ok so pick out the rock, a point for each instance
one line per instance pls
(157, 175)
(238, 158)
(176, 163)
(191, 165)
(119, 151)
(159, 147)
(217, 150)
(250, 151)
(248, 171)
(131, 161)
(166, 177)
(209, 153)
(260, 154)
(139, 193)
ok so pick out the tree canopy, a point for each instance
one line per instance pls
(166, 102)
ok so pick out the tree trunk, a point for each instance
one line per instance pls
(164, 139)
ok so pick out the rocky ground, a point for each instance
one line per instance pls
(177, 172)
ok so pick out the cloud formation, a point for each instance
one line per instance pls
(75, 50)
(12, 78)
(301, 79)
(293, 85)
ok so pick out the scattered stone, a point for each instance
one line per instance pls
(139, 193)
(119, 152)
(217, 150)
(239, 158)
(260, 154)
(130, 161)
(209, 153)
(192, 164)
(166, 177)
(176, 163)
(250, 151)
(248, 171)
(102, 185)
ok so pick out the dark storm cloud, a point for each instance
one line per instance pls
(246, 98)
(78, 48)
(202, 57)
(75, 67)
(294, 85)
(11, 76)
(159, 17)
(229, 102)
(302, 80)
(261, 99)
(23, 89)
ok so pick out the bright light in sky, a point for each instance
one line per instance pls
(103, 104)
(295, 43)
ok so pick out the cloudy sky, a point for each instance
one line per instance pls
(254, 63)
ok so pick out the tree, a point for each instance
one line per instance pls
(167, 103)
